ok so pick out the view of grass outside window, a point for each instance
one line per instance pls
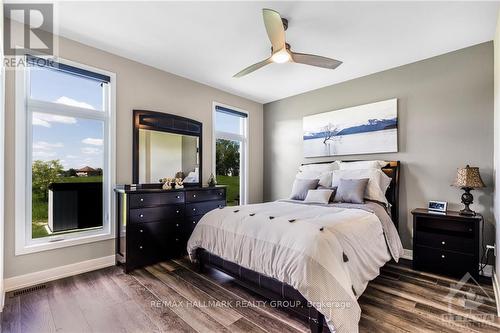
(68, 123)
(227, 167)
(230, 147)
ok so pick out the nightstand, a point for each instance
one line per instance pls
(446, 243)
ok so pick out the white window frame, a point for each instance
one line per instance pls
(243, 138)
(23, 150)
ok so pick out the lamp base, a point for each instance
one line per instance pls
(467, 199)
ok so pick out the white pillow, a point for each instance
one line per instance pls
(377, 184)
(319, 168)
(362, 165)
(318, 196)
(325, 178)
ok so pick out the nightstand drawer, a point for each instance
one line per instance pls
(443, 262)
(446, 242)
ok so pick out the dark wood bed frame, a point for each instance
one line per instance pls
(275, 290)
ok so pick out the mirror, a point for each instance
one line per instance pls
(163, 154)
(166, 146)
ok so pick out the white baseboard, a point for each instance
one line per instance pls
(408, 254)
(31, 279)
(496, 290)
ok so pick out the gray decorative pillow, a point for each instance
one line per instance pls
(351, 190)
(334, 191)
(301, 186)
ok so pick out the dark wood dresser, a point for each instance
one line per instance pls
(446, 243)
(155, 224)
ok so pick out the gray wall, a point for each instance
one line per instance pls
(497, 145)
(445, 109)
(138, 87)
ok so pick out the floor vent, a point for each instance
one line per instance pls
(28, 290)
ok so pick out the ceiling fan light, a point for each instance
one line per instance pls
(281, 57)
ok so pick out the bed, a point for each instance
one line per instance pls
(314, 259)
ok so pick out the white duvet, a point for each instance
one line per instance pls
(304, 246)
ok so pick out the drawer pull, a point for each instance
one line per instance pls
(194, 209)
(443, 256)
(194, 195)
(141, 215)
(220, 193)
(140, 247)
(177, 239)
(177, 211)
(194, 222)
(470, 229)
(220, 206)
(142, 199)
(177, 225)
(141, 230)
(178, 197)
(443, 242)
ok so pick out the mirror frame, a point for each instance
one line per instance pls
(164, 122)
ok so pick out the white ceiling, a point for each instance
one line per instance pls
(209, 42)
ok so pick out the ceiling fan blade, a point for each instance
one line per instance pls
(314, 60)
(253, 68)
(274, 28)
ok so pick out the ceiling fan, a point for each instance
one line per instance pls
(280, 50)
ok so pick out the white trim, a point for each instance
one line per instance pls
(244, 139)
(407, 254)
(496, 290)
(487, 271)
(30, 279)
(24, 243)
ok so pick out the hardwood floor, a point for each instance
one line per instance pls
(173, 297)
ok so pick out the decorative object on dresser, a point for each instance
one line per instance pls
(467, 179)
(437, 206)
(212, 181)
(364, 129)
(155, 224)
(447, 243)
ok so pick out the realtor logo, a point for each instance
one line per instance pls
(470, 304)
(29, 29)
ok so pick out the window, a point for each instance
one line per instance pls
(230, 152)
(64, 155)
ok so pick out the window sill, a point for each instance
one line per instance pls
(70, 241)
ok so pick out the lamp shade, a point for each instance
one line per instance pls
(468, 177)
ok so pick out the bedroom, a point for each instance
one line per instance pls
(116, 128)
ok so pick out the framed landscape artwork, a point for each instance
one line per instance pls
(365, 129)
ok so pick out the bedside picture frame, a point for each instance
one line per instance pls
(437, 206)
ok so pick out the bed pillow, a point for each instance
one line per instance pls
(332, 188)
(318, 196)
(362, 165)
(320, 168)
(325, 177)
(301, 186)
(351, 190)
(377, 184)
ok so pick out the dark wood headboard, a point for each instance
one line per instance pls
(392, 194)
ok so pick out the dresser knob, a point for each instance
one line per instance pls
(140, 247)
(443, 242)
(220, 193)
(470, 229)
(177, 239)
(194, 209)
(177, 225)
(142, 199)
(194, 195)
(220, 206)
(141, 230)
(177, 211)
(178, 197)
(141, 215)
(443, 256)
(194, 222)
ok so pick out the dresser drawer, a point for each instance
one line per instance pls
(190, 224)
(155, 199)
(204, 195)
(201, 208)
(444, 262)
(443, 241)
(156, 213)
(147, 243)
